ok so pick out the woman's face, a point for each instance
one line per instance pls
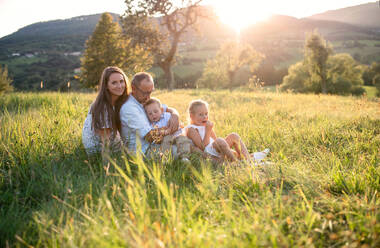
(200, 116)
(116, 84)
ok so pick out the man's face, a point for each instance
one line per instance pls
(153, 111)
(143, 91)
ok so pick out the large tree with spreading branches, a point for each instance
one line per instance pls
(161, 35)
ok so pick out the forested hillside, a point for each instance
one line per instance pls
(50, 51)
(46, 51)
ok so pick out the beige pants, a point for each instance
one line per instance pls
(182, 142)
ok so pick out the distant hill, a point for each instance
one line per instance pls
(290, 28)
(47, 51)
(281, 39)
(50, 51)
(66, 35)
(367, 15)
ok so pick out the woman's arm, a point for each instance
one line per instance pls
(105, 134)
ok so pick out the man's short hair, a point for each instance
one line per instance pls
(138, 77)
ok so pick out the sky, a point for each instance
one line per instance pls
(15, 14)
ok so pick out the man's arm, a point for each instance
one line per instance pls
(172, 110)
(173, 123)
(135, 120)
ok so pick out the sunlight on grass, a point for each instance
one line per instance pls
(322, 188)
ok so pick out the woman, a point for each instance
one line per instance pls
(102, 125)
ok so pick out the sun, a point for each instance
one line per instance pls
(241, 13)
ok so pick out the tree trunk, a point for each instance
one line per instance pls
(231, 77)
(324, 88)
(323, 82)
(169, 77)
(167, 64)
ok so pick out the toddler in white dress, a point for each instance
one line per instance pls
(201, 132)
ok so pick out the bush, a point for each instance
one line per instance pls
(340, 86)
(214, 76)
(296, 79)
(376, 83)
(189, 81)
(357, 91)
(229, 67)
(344, 77)
(5, 81)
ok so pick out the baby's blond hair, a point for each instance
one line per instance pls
(196, 103)
(153, 100)
(193, 105)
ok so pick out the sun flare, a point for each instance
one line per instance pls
(241, 13)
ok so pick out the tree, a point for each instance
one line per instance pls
(221, 71)
(107, 47)
(322, 72)
(298, 78)
(343, 76)
(376, 83)
(317, 52)
(5, 81)
(176, 18)
(370, 72)
(268, 73)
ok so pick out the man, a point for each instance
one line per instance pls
(135, 126)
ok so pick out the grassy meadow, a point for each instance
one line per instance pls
(322, 188)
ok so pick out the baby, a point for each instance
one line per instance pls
(201, 132)
(159, 120)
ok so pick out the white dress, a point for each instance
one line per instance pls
(92, 142)
(202, 132)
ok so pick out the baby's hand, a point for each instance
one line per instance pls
(166, 132)
(209, 125)
(158, 134)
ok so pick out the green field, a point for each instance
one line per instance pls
(322, 188)
(370, 91)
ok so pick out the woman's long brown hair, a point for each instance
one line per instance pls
(103, 104)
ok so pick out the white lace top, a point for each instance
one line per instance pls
(91, 141)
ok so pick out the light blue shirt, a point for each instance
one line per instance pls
(164, 120)
(134, 125)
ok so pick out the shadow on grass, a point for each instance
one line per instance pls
(31, 189)
(23, 191)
